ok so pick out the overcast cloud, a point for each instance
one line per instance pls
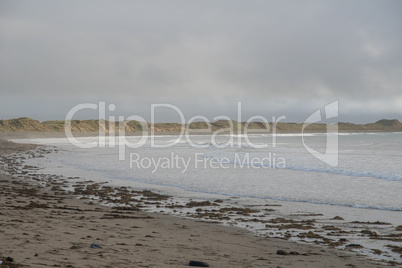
(276, 57)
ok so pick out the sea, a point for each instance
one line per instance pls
(363, 181)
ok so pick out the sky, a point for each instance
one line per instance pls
(278, 58)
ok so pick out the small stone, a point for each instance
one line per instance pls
(354, 246)
(93, 245)
(198, 264)
(368, 232)
(281, 252)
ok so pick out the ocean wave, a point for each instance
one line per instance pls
(349, 173)
(343, 172)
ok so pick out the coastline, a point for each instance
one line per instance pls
(160, 239)
(56, 134)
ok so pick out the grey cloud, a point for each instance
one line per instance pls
(278, 57)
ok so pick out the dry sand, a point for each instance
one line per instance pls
(41, 227)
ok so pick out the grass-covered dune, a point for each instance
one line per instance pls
(25, 124)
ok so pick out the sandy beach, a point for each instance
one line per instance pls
(42, 226)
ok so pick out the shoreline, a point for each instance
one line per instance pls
(55, 134)
(54, 187)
